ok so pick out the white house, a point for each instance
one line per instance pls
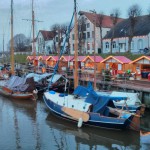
(140, 42)
(89, 21)
(44, 42)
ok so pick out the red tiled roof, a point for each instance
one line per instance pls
(80, 58)
(142, 57)
(107, 22)
(97, 59)
(47, 35)
(55, 58)
(67, 58)
(45, 57)
(121, 59)
(32, 57)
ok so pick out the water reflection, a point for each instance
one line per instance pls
(94, 138)
(28, 125)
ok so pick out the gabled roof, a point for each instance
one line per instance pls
(122, 29)
(45, 57)
(67, 58)
(32, 57)
(47, 35)
(107, 22)
(120, 59)
(80, 58)
(142, 57)
(55, 58)
(98, 59)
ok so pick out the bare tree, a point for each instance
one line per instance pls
(114, 17)
(59, 31)
(133, 12)
(81, 28)
(100, 18)
(21, 43)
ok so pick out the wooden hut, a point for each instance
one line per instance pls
(80, 63)
(118, 64)
(51, 61)
(141, 66)
(33, 60)
(65, 62)
(89, 62)
(43, 59)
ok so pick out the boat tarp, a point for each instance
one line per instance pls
(54, 78)
(38, 77)
(83, 91)
(99, 102)
(15, 81)
(21, 84)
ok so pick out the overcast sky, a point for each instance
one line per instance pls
(55, 11)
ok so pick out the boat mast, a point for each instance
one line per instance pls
(76, 47)
(3, 50)
(12, 40)
(94, 50)
(33, 37)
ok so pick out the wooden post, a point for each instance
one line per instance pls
(94, 52)
(76, 48)
(33, 38)
(94, 12)
(12, 40)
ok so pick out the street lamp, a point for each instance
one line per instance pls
(94, 12)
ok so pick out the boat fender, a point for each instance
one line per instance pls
(35, 91)
(80, 122)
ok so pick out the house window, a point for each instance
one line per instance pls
(56, 39)
(88, 46)
(140, 44)
(88, 25)
(88, 34)
(107, 45)
(73, 47)
(107, 66)
(84, 35)
(85, 19)
(132, 45)
(114, 44)
(72, 36)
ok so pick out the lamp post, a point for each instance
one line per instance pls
(94, 12)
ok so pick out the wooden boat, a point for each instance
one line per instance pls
(16, 95)
(93, 110)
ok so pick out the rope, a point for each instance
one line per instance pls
(62, 51)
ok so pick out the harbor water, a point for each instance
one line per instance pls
(28, 125)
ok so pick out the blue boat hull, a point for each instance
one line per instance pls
(95, 120)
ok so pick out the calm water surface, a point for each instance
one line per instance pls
(28, 125)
